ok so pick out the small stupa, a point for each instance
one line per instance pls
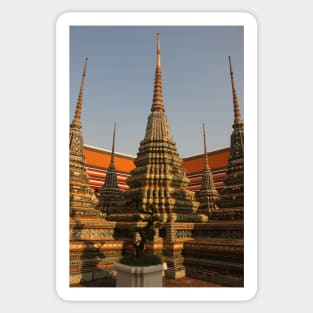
(110, 197)
(208, 194)
(232, 195)
(82, 197)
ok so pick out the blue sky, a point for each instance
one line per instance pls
(119, 83)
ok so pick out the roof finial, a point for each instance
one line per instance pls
(79, 104)
(238, 118)
(158, 50)
(157, 102)
(113, 145)
(206, 163)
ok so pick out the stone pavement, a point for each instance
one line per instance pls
(167, 282)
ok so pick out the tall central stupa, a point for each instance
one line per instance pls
(159, 180)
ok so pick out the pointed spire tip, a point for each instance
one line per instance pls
(113, 145)
(157, 102)
(230, 65)
(77, 116)
(158, 48)
(206, 163)
(237, 115)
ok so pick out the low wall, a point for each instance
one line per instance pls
(210, 251)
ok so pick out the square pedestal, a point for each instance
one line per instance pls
(139, 276)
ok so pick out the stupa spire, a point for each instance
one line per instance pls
(208, 194)
(110, 197)
(158, 51)
(157, 102)
(77, 117)
(113, 145)
(237, 115)
(232, 194)
(82, 198)
(206, 163)
(159, 181)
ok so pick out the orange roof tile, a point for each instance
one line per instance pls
(101, 159)
(216, 160)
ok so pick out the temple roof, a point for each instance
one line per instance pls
(124, 163)
(217, 159)
(97, 157)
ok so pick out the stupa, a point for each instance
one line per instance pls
(110, 197)
(159, 180)
(208, 194)
(232, 195)
(82, 196)
(91, 236)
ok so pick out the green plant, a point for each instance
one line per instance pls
(145, 260)
(146, 233)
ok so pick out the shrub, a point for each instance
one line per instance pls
(146, 233)
(144, 260)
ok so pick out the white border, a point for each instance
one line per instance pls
(62, 171)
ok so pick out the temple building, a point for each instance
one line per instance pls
(200, 234)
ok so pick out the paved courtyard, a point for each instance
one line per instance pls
(167, 282)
